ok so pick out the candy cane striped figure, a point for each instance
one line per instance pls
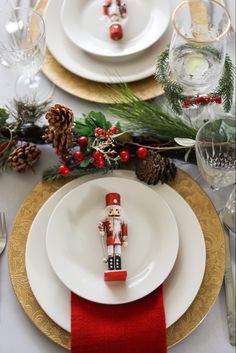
(115, 11)
(115, 230)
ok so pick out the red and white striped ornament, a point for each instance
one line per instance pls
(115, 10)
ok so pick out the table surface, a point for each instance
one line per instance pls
(17, 333)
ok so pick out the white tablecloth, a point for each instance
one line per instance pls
(17, 333)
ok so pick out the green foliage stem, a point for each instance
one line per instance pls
(145, 118)
(51, 174)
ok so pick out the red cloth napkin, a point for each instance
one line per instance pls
(127, 328)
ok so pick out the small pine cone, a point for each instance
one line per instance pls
(60, 118)
(24, 157)
(48, 135)
(155, 168)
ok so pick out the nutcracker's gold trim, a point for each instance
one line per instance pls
(199, 16)
(209, 290)
(90, 90)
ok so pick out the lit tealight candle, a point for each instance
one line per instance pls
(195, 65)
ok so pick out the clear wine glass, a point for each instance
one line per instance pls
(216, 155)
(197, 52)
(198, 45)
(22, 44)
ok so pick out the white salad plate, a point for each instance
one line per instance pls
(101, 69)
(180, 288)
(85, 25)
(74, 246)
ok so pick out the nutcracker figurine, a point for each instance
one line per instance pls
(115, 231)
(116, 12)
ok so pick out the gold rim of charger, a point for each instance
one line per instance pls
(207, 294)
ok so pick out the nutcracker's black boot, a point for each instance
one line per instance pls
(118, 262)
(111, 263)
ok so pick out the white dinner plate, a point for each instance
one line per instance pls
(132, 68)
(85, 25)
(74, 246)
(180, 288)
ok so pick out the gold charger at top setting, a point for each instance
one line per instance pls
(208, 292)
(80, 87)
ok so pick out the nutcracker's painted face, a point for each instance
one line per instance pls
(113, 212)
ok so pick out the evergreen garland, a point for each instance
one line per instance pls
(175, 91)
(225, 87)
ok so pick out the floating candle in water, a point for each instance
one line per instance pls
(195, 64)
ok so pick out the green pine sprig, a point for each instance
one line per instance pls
(175, 92)
(225, 87)
(25, 112)
(4, 115)
(145, 118)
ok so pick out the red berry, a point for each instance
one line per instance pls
(83, 141)
(63, 170)
(99, 162)
(112, 130)
(218, 100)
(78, 156)
(99, 131)
(124, 156)
(1, 154)
(142, 152)
(97, 155)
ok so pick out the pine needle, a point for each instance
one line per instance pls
(225, 87)
(140, 117)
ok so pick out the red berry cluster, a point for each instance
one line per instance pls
(201, 100)
(103, 133)
(75, 158)
(69, 162)
(125, 155)
(98, 158)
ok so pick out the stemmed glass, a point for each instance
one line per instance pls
(198, 45)
(216, 157)
(22, 44)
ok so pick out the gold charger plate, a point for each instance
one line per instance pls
(90, 90)
(208, 292)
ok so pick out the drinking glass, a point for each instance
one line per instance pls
(198, 45)
(216, 154)
(22, 44)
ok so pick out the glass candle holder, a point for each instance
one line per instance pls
(198, 45)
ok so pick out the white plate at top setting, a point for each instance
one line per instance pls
(99, 68)
(85, 25)
(74, 246)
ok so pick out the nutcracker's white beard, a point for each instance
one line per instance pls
(116, 225)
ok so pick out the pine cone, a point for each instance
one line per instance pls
(155, 168)
(62, 141)
(48, 135)
(60, 118)
(24, 157)
(59, 133)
